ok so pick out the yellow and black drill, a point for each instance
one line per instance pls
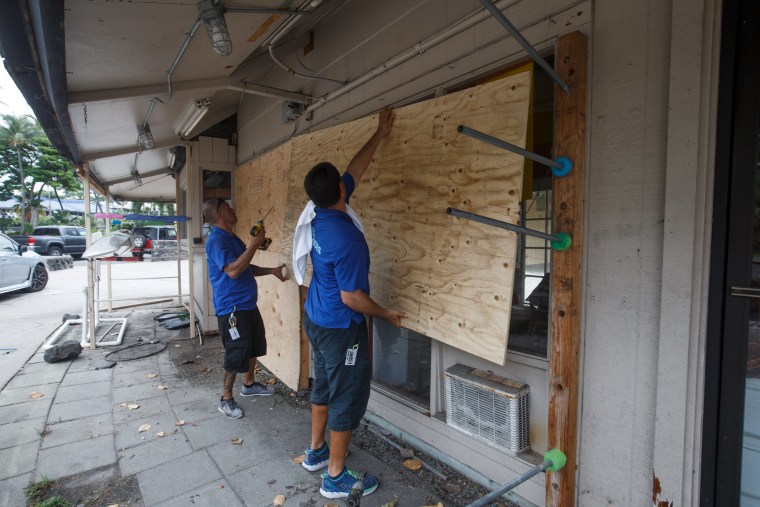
(258, 227)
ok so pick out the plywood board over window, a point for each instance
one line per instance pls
(260, 185)
(451, 276)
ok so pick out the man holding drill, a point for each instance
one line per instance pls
(235, 295)
(337, 301)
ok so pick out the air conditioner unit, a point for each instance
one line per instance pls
(490, 407)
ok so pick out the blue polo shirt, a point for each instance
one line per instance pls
(340, 257)
(223, 248)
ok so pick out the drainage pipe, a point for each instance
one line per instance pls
(444, 458)
(410, 53)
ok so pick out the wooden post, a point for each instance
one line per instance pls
(305, 348)
(570, 62)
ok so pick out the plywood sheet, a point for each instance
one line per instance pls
(260, 185)
(279, 303)
(451, 276)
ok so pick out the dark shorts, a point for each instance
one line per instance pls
(344, 389)
(252, 341)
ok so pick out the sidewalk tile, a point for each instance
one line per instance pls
(131, 378)
(145, 408)
(182, 393)
(26, 410)
(23, 394)
(198, 410)
(12, 491)
(77, 409)
(21, 432)
(127, 434)
(79, 429)
(253, 484)
(18, 460)
(211, 495)
(86, 377)
(255, 449)
(44, 367)
(172, 479)
(216, 429)
(153, 453)
(80, 457)
(82, 392)
(137, 392)
(33, 379)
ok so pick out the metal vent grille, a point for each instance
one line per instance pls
(493, 408)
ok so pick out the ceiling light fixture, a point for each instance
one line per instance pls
(193, 116)
(145, 137)
(212, 15)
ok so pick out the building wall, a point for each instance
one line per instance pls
(634, 162)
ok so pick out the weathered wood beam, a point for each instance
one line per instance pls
(570, 62)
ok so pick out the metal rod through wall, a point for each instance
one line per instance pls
(502, 225)
(515, 33)
(475, 134)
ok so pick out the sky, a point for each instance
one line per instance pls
(12, 100)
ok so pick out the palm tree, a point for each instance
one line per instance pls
(15, 133)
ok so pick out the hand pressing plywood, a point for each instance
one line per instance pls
(452, 277)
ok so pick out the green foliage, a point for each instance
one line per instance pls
(54, 501)
(36, 490)
(7, 223)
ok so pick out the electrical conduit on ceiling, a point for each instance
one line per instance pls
(431, 42)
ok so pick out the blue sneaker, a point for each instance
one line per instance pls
(318, 459)
(341, 486)
(256, 389)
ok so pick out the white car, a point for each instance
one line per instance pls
(18, 272)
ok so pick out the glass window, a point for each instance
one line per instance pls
(401, 362)
(6, 245)
(72, 232)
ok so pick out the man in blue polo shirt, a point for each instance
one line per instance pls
(337, 301)
(234, 295)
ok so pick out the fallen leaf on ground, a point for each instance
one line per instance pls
(188, 361)
(299, 459)
(392, 503)
(179, 423)
(407, 453)
(279, 500)
(271, 381)
(331, 505)
(221, 486)
(114, 505)
(271, 481)
(236, 441)
(292, 395)
(161, 434)
(123, 404)
(177, 346)
(412, 464)
(206, 370)
(143, 428)
(133, 406)
(36, 394)
(162, 387)
(439, 504)
(152, 375)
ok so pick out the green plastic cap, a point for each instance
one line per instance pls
(563, 243)
(558, 459)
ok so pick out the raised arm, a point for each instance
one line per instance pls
(363, 157)
(236, 267)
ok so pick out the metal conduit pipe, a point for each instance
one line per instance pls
(442, 36)
(444, 458)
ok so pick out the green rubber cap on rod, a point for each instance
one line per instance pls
(558, 459)
(563, 243)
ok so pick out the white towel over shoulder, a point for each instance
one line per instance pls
(302, 238)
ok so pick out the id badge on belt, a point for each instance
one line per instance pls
(234, 334)
(351, 355)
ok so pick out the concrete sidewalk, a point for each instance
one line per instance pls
(72, 422)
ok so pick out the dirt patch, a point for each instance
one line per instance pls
(91, 489)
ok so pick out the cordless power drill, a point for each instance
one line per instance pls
(258, 227)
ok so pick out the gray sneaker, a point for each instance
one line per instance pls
(230, 408)
(256, 390)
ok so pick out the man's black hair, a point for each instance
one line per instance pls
(322, 184)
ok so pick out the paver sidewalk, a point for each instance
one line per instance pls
(73, 419)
